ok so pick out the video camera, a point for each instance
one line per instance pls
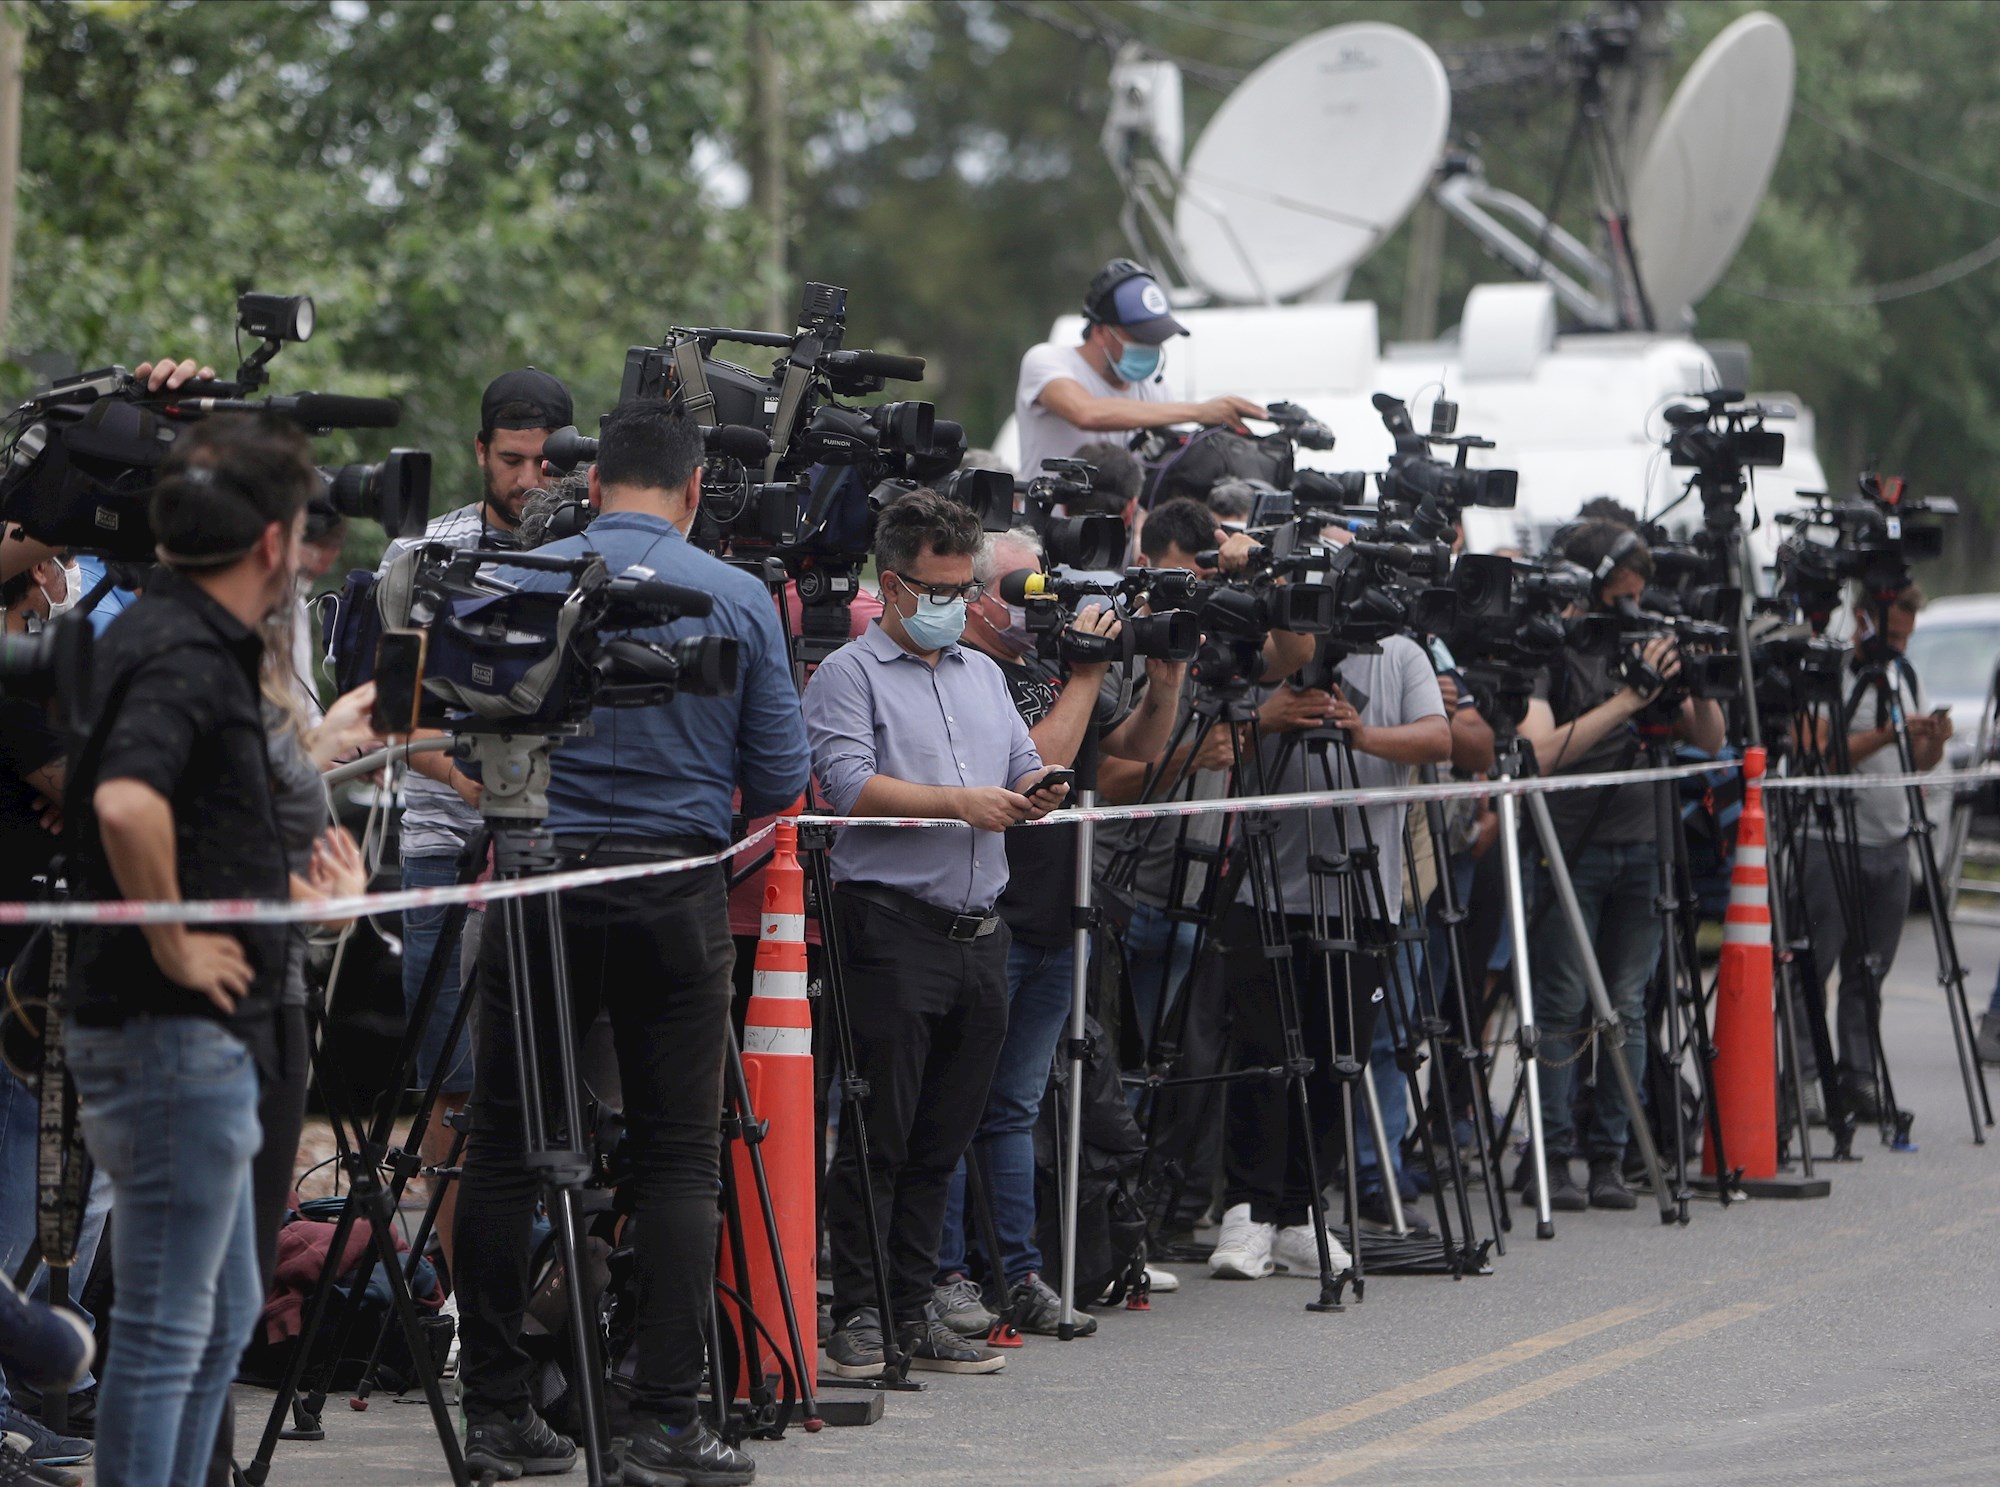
(1719, 438)
(51, 665)
(1169, 633)
(1869, 541)
(518, 660)
(1426, 492)
(1094, 542)
(83, 458)
(1709, 664)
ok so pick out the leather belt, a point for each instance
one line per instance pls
(963, 928)
(638, 848)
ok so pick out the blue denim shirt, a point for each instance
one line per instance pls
(873, 708)
(671, 770)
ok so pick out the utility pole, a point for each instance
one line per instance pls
(13, 48)
(767, 166)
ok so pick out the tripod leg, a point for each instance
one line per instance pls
(1530, 1088)
(1600, 999)
(1086, 862)
(1391, 1189)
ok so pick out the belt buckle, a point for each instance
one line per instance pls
(966, 927)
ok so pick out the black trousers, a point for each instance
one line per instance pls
(657, 955)
(929, 1015)
(1263, 1141)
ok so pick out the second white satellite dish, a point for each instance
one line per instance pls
(1709, 163)
(1315, 158)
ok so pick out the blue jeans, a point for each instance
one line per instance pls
(1038, 1005)
(20, 1114)
(1158, 951)
(1615, 886)
(421, 929)
(169, 1111)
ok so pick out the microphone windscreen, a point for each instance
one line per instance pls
(1022, 584)
(332, 411)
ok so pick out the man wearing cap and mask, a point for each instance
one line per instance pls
(517, 414)
(1112, 383)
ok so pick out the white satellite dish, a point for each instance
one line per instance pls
(1709, 162)
(1315, 158)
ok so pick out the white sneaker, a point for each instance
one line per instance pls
(1295, 1252)
(450, 1309)
(1244, 1251)
(1165, 1282)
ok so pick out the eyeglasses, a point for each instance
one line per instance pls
(942, 595)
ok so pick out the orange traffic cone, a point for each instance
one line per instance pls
(1746, 1038)
(778, 1068)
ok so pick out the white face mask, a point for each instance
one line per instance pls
(72, 592)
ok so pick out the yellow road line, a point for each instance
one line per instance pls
(1205, 1467)
(1338, 1467)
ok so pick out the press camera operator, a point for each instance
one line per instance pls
(1582, 721)
(647, 784)
(1111, 383)
(908, 721)
(1400, 724)
(170, 1026)
(1158, 947)
(1036, 907)
(517, 413)
(1881, 823)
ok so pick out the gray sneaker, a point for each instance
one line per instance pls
(1038, 1309)
(935, 1347)
(961, 1307)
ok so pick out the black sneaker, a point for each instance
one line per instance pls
(694, 1454)
(1564, 1195)
(1038, 1309)
(17, 1471)
(935, 1347)
(82, 1415)
(507, 1449)
(855, 1349)
(44, 1447)
(1607, 1186)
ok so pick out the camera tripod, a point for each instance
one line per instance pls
(1514, 759)
(363, 1155)
(1228, 703)
(815, 842)
(1472, 1048)
(1353, 875)
(1680, 1003)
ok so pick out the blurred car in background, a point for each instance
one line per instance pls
(1955, 648)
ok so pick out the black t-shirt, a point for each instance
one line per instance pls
(1572, 687)
(1041, 863)
(178, 710)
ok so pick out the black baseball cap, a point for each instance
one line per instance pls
(546, 396)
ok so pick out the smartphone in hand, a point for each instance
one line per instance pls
(399, 682)
(1053, 778)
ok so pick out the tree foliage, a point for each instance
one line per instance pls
(470, 186)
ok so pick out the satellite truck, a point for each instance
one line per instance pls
(1325, 149)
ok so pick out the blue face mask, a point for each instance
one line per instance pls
(932, 627)
(1137, 362)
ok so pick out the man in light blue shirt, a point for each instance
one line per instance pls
(905, 721)
(647, 784)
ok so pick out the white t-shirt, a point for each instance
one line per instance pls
(1882, 815)
(1044, 436)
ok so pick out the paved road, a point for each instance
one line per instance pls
(1853, 1340)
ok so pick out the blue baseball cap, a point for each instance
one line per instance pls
(1139, 308)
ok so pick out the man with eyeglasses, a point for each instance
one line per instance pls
(906, 721)
(1882, 847)
(1112, 383)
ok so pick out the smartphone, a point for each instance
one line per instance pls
(1052, 779)
(399, 681)
(1940, 712)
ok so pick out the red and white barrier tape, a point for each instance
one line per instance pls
(256, 911)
